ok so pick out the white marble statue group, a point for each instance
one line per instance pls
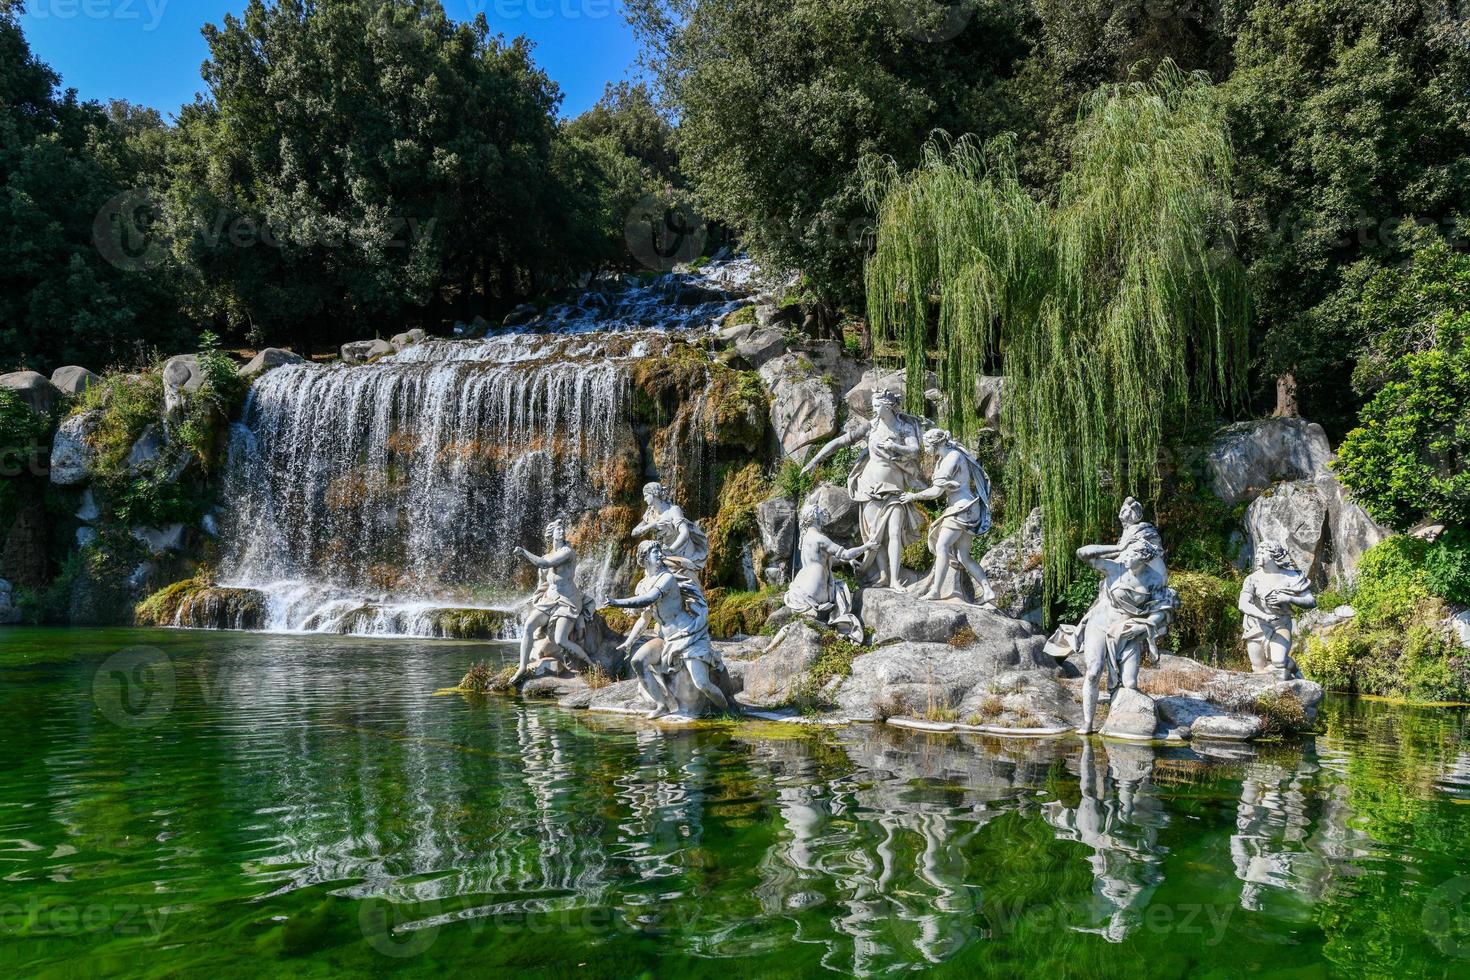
(670, 645)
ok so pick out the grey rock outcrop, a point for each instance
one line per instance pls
(842, 512)
(1131, 714)
(773, 679)
(362, 351)
(182, 376)
(1248, 458)
(408, 338)
(803, 404)
(270, 357)
(1295, 515)
(522, 314)
(775, 519)
(10, 613)
(161, 540)
(1014, 567)
(72, 456)
(73, 380)
(31, 388)
(860, 395)
(148, 449)
(988, 391)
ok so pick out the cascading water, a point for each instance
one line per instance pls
(390, 498)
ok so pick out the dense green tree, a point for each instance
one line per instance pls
(69, 289)
(1115, 313)
(778, 101)
(1352, 123)
(362, 161)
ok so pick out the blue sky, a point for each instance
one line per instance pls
(149, 51)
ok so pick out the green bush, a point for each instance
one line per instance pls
(1395, 646)
(1447, 567)
(126, 404)
(1208, 618)
(1405, 462)
(1391, 583)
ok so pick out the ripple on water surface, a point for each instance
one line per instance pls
(307, 804)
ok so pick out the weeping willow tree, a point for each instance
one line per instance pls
(1114, 313)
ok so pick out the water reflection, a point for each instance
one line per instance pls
(295, 781)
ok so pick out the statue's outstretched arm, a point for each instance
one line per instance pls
(846, 439)
(536, 560)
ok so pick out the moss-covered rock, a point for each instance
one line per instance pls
(733, 612)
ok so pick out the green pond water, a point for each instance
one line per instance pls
(190, 803)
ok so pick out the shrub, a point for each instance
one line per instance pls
(1281, 713)
(1076, 597)
(1391, 582)
(1447, 567)
(1208, 618)
(1406, 461)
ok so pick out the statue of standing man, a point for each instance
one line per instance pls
(888, 468)
(961, 481)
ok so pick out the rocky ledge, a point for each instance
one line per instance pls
(955, 667)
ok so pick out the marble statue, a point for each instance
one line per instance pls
(1267, 597)
(682, 640)
(683, 541)
(960, 479)
(815, 592)
(1133, 609)
(888, 467)
(556, 607)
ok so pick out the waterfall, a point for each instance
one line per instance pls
(379, 499)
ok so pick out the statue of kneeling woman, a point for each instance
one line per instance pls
(556, 607)
(815, 592)
(682, 640)
(1268, 597)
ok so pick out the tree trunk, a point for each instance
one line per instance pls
(1286, 403)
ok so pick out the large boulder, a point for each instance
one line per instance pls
(362, 351)
(988, 389)
(31, 388)
(1131, 714)
(1224, 691)
(148, 450)
(896, 616)
(1295, 515)
(72, 456)
(755, 343)
(183, 375)
(10, 613)
(803, 404)
(1248, 458)
(271, 357)
(1014, 566)
(842, 512)
(408, 338)
(860, 395)
(774, 678)
(627, 697)
(775, 519)
(73, 380)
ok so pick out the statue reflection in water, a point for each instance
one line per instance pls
(1119, 818)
